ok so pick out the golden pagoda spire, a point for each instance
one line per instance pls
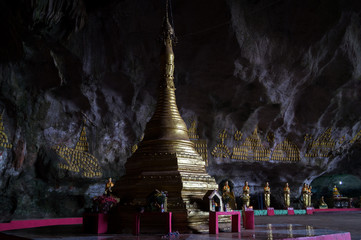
(167, 56)
(82, 144)
(166, 123)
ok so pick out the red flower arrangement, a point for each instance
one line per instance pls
(102, 204)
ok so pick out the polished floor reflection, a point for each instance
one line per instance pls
(275, 227)
(269, 231)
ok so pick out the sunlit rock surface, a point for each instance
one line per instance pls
(288, 68)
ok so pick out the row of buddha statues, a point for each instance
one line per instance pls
(306, 197)
(228, 195)
(267, 195)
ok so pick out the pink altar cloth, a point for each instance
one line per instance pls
(248, 219)
(270, 211)
(290, 211)
(32, 223)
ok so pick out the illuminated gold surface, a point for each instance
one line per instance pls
(246, 198)
(356, 137)
(4, 142)
(322, 146)
(79, 160)
(309, 200)
(251, 150)
(82, 144)
(200, 145)
(286, 195)
(221, 150)
(267, 195)
(166, 159)
(305, 196)
(286, 151)
(192, 131)
(270, 138)
(238, 135)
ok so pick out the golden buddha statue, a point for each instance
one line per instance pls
(267, 195)
(335, 192)
(323, 204)
(246, 198)
(286, 195)
(226, 187)
(305, 195)
(108, 187)
(309, 196)
(228, 197)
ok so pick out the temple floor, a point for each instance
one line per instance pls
(267, 227)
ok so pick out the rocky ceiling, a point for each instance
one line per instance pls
(287, 68)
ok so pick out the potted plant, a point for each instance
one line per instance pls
(103, 203)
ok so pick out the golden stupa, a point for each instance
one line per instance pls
(166, 159)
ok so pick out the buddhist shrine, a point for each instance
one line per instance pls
(166, 159)
(222, 118)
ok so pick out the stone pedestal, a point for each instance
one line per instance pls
(290, 211)
(248, 219)
(95, 222)
(309, 210)
(270, 211)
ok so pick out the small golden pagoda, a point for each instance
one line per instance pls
(166, 159)
(79, 160)
(82, 144)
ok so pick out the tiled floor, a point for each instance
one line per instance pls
(267, 227)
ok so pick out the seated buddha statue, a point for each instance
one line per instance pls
(335, 192)
(323, 204)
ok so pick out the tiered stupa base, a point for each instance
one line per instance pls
(182, 175)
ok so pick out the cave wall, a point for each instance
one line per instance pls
(287, 68)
